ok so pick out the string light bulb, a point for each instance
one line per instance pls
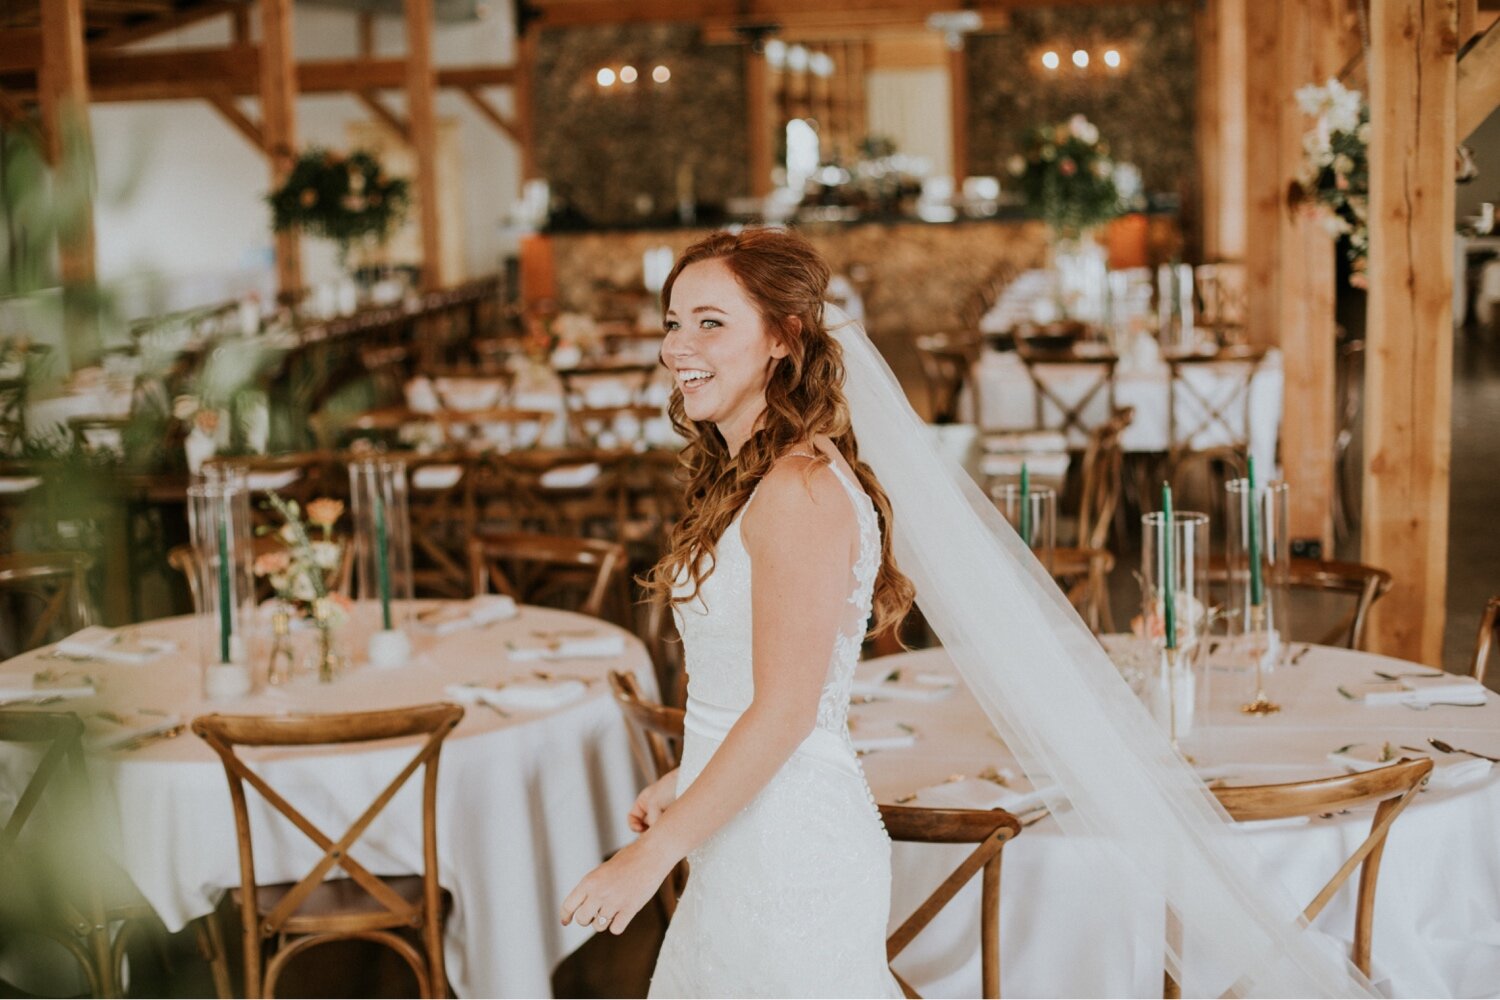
(605, 77)
(1050, 60)
(661, 74)
(627, 74)
(1080, 58)
(1112, 58)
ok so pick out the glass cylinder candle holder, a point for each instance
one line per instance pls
(382, 548)
(1032, 511)
(1258, 559)
(219, 520)
(1175, 614)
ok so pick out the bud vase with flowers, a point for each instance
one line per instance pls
(301, 573)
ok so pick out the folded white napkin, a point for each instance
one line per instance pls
(279, 480)
(1052, 465)
(1018, 442)
(26, 687)
(538, 696)
(869, 734)
(436, 477)
(585, 647)
(455, 616)
(877, 680)
(19, 484)
(1436, 689)
(103, 730)
(570, 477)
(99, 643)
(1448, 772)
(1015, 796)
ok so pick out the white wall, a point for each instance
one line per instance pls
(182, 193)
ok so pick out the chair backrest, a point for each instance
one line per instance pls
(535, 568)
(1208, 398)
(1103, 476)
(1393, 787)
(58, 582)
(989, 830)
(1489, 621)
(226, 733)
(1064, 403)
(440, 499)
(1365, 584)
(1199, 478)
(946, 368)
(1223, 298)
(655, 729)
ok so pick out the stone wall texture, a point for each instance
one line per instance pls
(1144, 110)
(606, 148)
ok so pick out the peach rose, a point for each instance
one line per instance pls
(324, 511)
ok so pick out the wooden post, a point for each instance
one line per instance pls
(278, 117)
(958, 112)
(1310, 52)
(1409, 334)
(758, 121)
(525, 116)
(1221, 128)
(1265, 188)
(422, 122)
(63, 94)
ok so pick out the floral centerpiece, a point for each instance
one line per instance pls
(300, 573)
(1068, 177)
(340, 198)
(1334, 179)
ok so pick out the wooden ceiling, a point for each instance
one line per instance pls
(117, 22)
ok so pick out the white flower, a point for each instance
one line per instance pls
(325, 554)
(1127, 177)
(288, 534)
(1103, 168)
(183, 407)
(1343, 165)
(1083, 129)
(1016, 165)
(1363, 133)
(1311, 99)
(302, 588)
(1334, 225)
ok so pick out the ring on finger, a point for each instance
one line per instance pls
(601, 922)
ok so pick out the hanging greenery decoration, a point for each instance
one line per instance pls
(339, 198)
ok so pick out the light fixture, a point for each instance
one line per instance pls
(1080, 58)
(776, 53)
(661, 74)
(797, 58)
(605, 77)
(1112, 58)
(1050, 60)
(821, 64)
(627, 74)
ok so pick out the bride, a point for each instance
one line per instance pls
(789, 549)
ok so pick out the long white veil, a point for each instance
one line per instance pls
(1072, 722)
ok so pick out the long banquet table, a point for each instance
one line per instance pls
(526, 805)
(1072, 925)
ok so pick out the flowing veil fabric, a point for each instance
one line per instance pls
(1072, 722)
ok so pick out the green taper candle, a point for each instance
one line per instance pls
(382, 562)
(224, 626)
(1025, 504)
(1257, 585)
(1168, 571)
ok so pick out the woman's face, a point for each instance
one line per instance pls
(719, 350)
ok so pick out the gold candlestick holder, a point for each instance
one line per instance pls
(1260, 647)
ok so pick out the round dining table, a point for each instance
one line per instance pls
(529, 799)
(1072, 924)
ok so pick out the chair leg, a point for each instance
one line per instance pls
(211, 945)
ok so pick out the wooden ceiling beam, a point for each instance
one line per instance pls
(572, 13)
(1479, 82)
(382, 111)
(141, 30)
(202, 73)
(491, 113)
(243, 123)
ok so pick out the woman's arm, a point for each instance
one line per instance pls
(801, 534)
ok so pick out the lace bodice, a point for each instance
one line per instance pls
(716, 625)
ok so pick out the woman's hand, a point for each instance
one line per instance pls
(653, 801)
(612, 894)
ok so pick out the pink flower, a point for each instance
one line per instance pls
(1067, 167)
(268, 563)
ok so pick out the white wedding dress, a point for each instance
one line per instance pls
(791, 896)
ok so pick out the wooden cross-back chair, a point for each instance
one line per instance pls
(66, 890)
(1200, 414)
(1392, 787)
(1199, 478)
(550, 569)
(656, 734)
(1223, 299)
(989, 830)
(1083, 569)
(312, 911)
(57, 582)
(1364, 584)
(612, 426)
(440, 502)
(1071, 414)
(1489, 622)
(947, 368)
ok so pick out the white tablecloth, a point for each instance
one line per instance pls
(1008, 401)
(1071, 925)
(526, 805)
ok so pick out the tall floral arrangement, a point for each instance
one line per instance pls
(1068, 177)
(1334, 180)
(340, 198)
